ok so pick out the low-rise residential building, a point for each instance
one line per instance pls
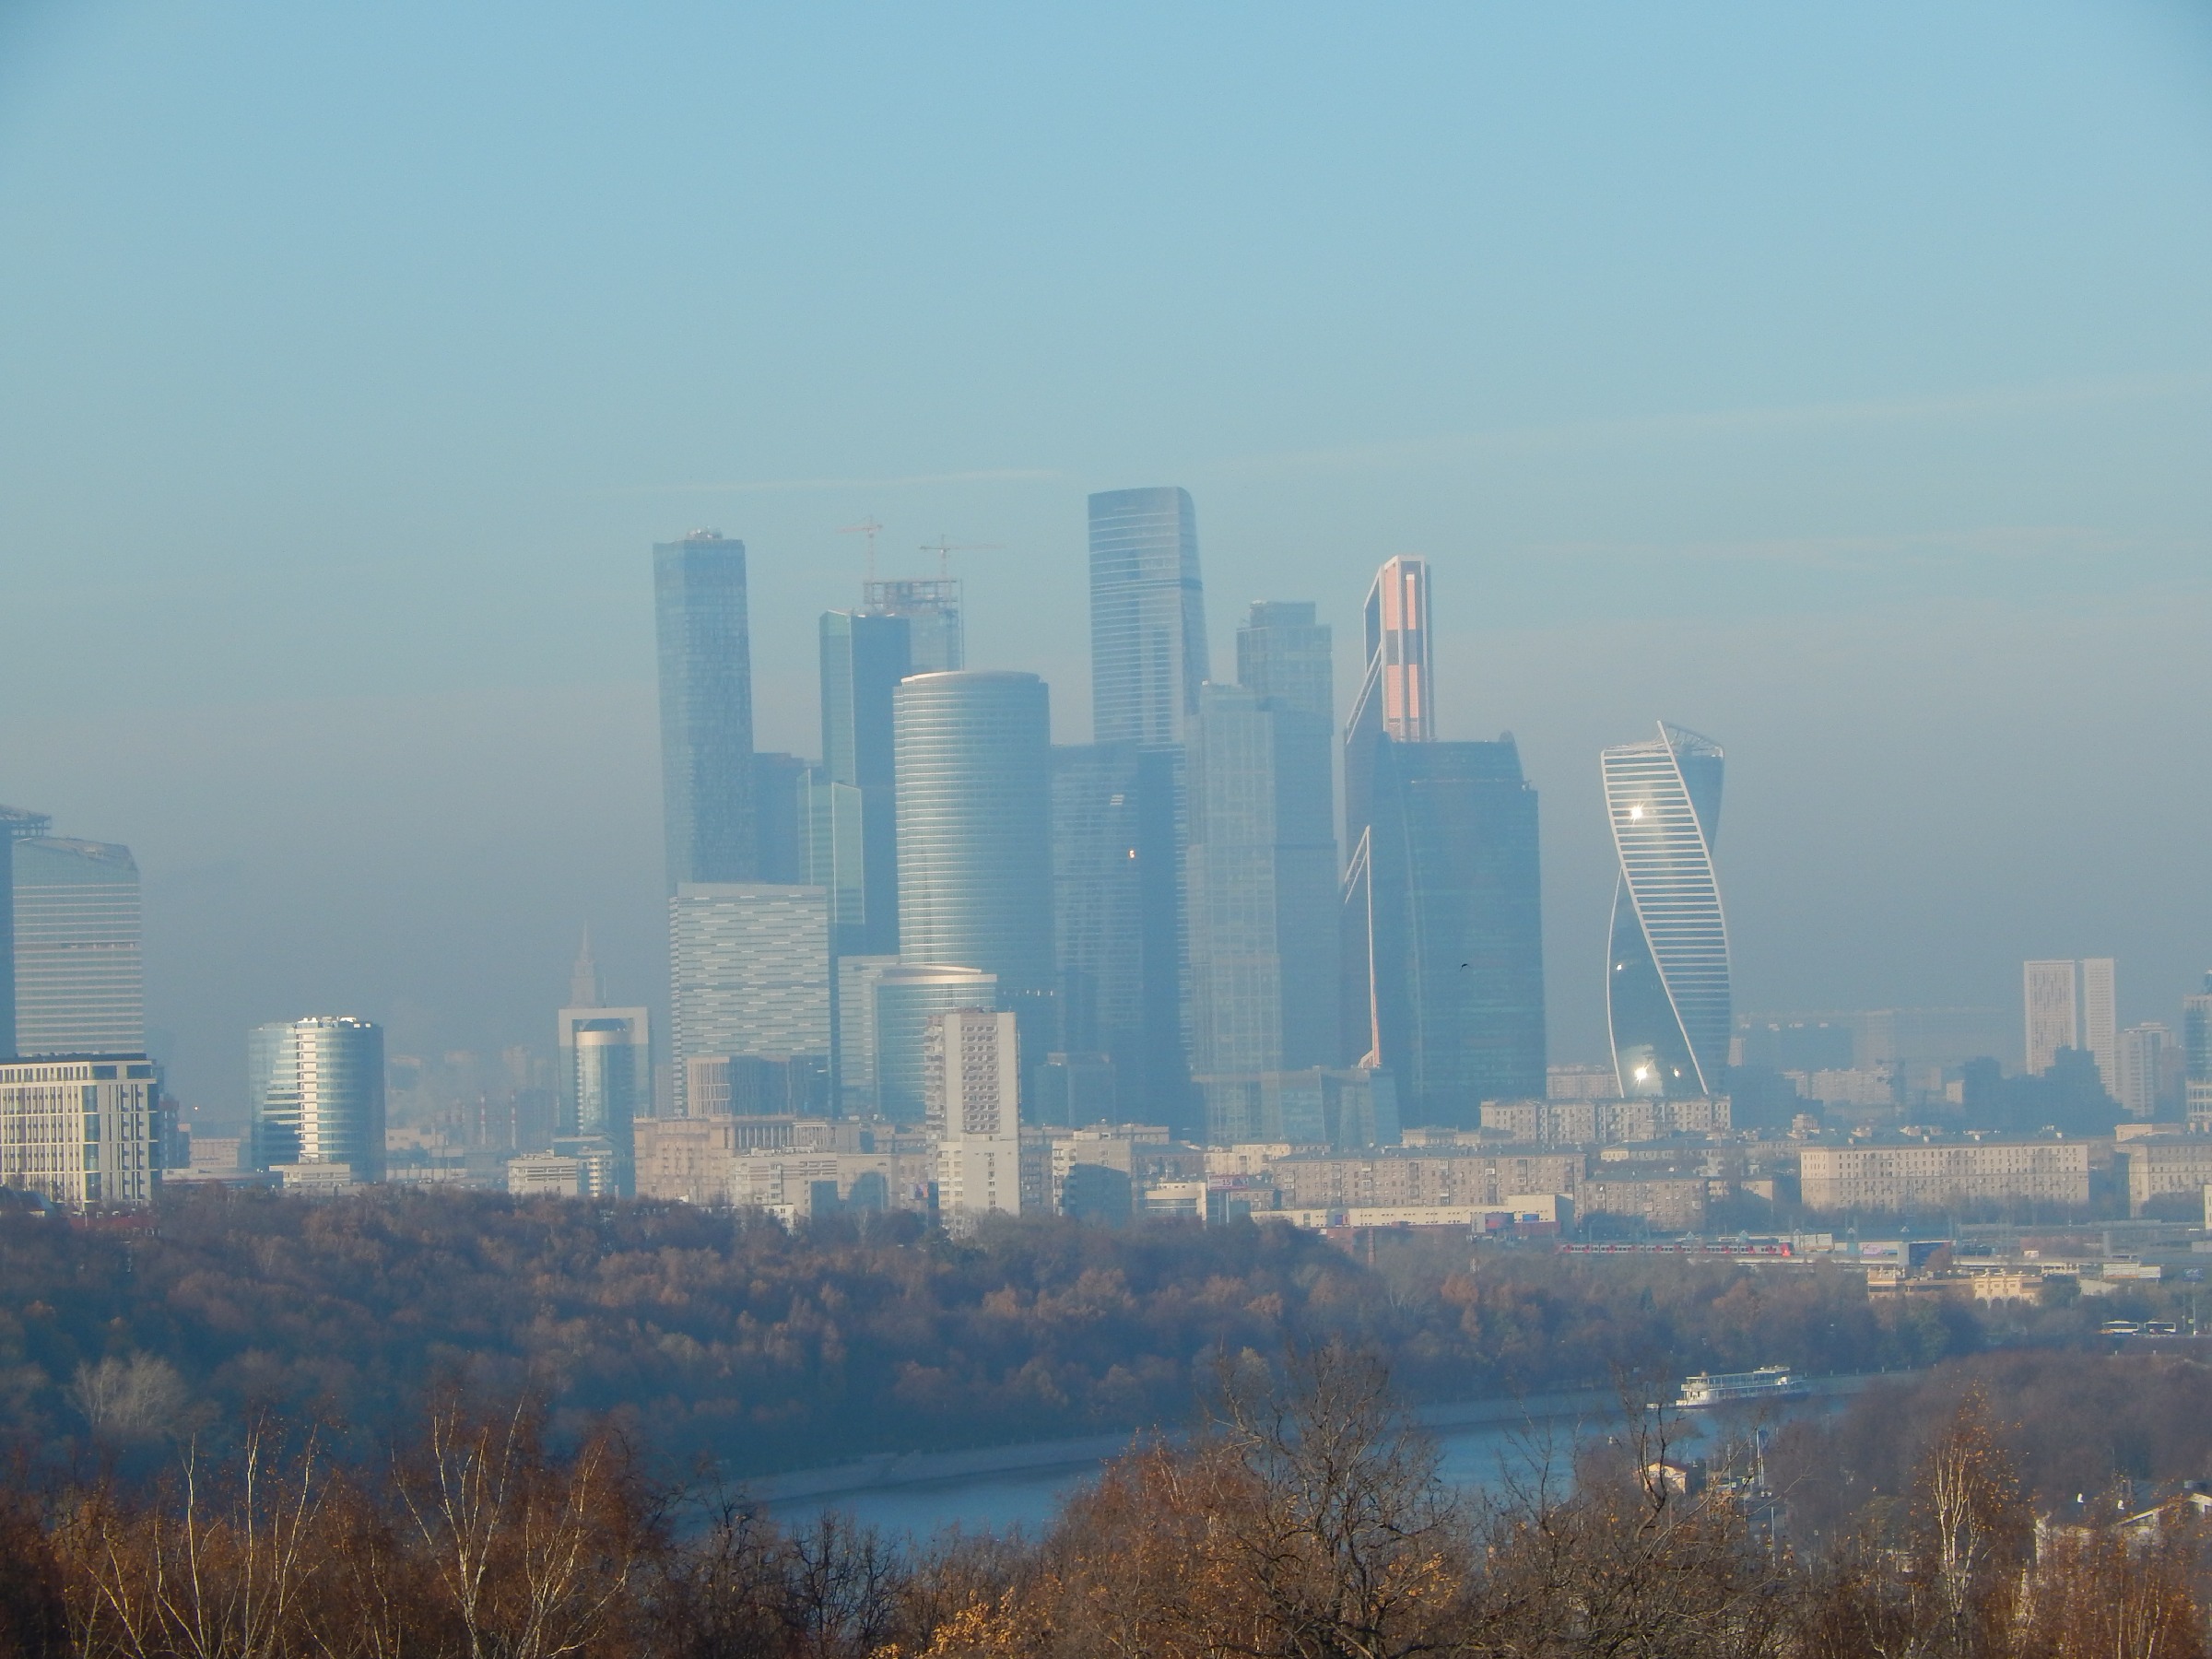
(2163, 1166)
(1422, 1175)
(1945, 1175)
(1570, 1122)
(1667, 1202)
(82, 1130)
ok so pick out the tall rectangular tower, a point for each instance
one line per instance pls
(1148, 615)
(1261, 874)
(2100, 1019)
(863, 657)
(748, 973)
(2050, 993)
(706, 675)
(971, 1068)
(80, 978)
(14, 825)
(1395, 698)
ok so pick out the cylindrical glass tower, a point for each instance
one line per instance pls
(975, 864)
(904, 998)
(319, 1094)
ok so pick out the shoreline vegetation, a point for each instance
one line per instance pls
(1305, 1518)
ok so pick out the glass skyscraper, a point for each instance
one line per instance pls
(904, 999)
(931, 605)
(79, 974)
(317, 1088)
(1667, 995)
(1394, 697)
(975, 872)
(1262, 881)
(1443, 930)
(14, 825)
(706, 676)
(1148, 615)
(863, 657)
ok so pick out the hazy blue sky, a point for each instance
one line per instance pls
(1836, 380)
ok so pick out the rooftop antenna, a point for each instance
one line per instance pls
(867, 527)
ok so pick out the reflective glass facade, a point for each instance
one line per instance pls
(975, 876)
(905, 998)
(748, 972)
(79, 974)
(1668, 990)
(1443, 941)
(706, 676)
(1148, 615)
(14, 825)
(863, 657)
(317, 1088)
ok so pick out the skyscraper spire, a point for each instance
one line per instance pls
(583, 979)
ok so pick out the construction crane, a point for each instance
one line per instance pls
(944, 549)
(867, 527)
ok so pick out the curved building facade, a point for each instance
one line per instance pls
(1666, 980)
(904, 999)
(975, 865)
(318, 1088)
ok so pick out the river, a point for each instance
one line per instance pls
(998, 1487)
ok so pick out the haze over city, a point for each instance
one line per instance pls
(1836, 385)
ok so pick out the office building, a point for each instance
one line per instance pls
(2196, 1057)
(906, 998)
(316, 1087)
(970, 1082)
(1075, 1090)
(853, 1075)
(1395, 698)
(1148, 615)
(2142, 1050)
(975, 875)
(1947, 1179)
(1119, 824)
(2072, 1005)
(932, 609)
(834, 855)
(782, 854)
(1666, 982)
(83, 1131)
(748, 972)
(1283, 656)
(863, 657)
(14, 825)
(603, 1079)
(706, 676)
(1262, 890)
(79, 974)
(2159, 1167)
(1443, 948)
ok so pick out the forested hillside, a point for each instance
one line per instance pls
(718, 1334)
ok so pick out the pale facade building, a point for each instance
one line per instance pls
(748, 972)
(1927, 1179)
(2142, 1055)
(84, 1133)
(78, 961)
(971, 1073)
(316, 1087)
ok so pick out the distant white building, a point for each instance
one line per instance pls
(2073, 1005)
(2142, 1052)
(970, 1084)
(546, 1175)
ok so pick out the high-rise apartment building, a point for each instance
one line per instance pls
(1667, 986)
(79, 974)
(863, 657)
(85, 1133)
(1442, 946)
(1261, 870)
(906, 998)
(2142, 1052)
(706, 676)
(2071, 1005)
(975, 876)
(972, 1068)
(748, 973)
(1148, 615)
(1395, 698)
(317, 1092)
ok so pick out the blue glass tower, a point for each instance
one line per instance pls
(706, 710)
